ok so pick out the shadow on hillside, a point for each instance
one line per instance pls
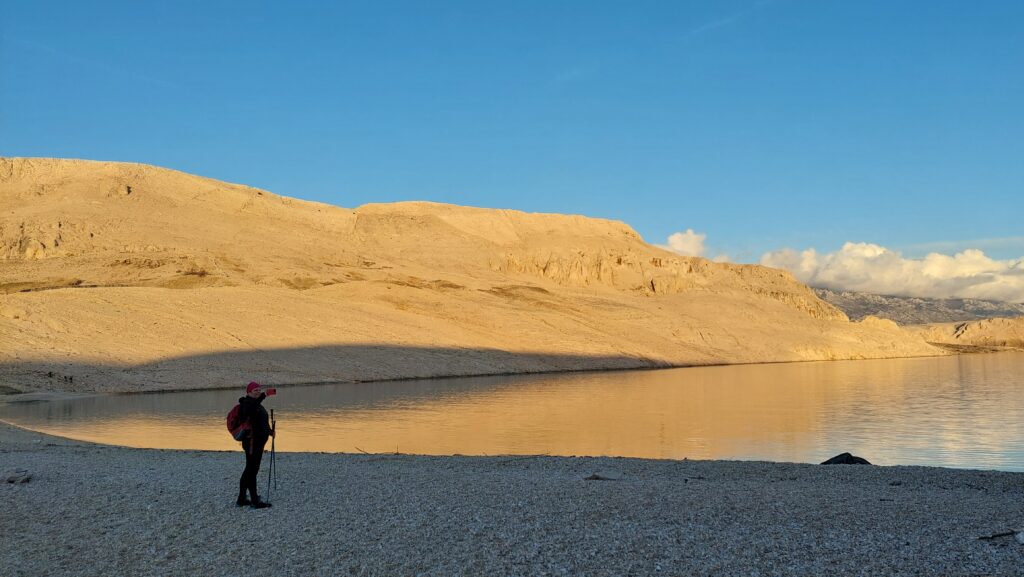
(297, 366)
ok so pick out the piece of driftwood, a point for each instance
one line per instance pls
(997, 535)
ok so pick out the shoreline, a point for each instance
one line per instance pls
(9, 387)
(95, 509)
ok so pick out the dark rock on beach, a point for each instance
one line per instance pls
(846, 459)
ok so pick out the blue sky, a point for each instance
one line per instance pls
(763, 125)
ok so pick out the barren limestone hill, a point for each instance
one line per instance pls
(79, 223)
(130, 277)
(983, 334)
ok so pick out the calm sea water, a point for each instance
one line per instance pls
(963, 411)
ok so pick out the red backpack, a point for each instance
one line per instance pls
(238, 429)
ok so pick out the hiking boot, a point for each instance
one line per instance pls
(258, 503)
(243, 501)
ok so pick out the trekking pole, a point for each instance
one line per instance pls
(273, 437)
(273, 450)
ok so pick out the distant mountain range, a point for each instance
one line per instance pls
(915, 311)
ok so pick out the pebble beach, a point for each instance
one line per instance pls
(101, 510)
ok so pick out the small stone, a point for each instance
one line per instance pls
(604, 476)
(1019, 537)
(17, 476)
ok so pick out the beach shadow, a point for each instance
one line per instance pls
(298, 366)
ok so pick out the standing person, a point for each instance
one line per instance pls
(251, 411)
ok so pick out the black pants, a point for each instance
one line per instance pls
(253, 457)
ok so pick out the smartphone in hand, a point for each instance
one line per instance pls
(271, 392)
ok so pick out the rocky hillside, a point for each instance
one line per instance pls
(913, 310)
(87, 224)
(129, 277)
(986, 334)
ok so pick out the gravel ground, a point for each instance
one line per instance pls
(96, 510)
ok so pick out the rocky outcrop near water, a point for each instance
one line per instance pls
(984, 334)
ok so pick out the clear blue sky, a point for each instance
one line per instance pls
(762, 124)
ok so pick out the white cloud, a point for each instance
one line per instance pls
(875, 269)
(687, 243)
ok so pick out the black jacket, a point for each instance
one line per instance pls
(251, 410)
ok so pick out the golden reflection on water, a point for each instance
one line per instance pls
(955, 411)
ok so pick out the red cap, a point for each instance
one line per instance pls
(251, 386)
